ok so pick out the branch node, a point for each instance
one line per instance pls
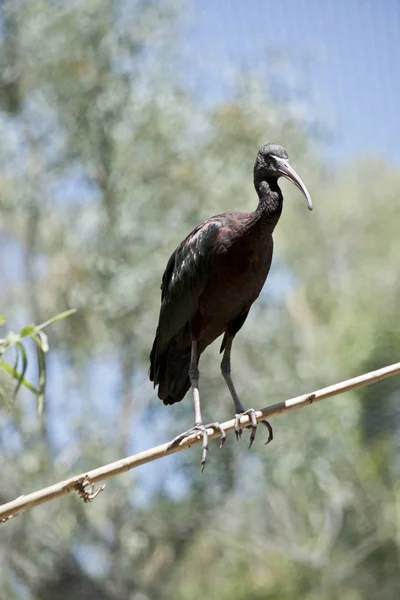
(5, 519)
(88, 495)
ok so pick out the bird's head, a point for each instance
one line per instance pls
(273, 162)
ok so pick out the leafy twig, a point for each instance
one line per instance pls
(14, 340)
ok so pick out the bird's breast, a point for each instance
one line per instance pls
(237, 275)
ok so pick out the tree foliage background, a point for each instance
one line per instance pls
(107, 160)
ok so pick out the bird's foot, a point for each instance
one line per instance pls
(200, 430)
(253, 424)
(218, 427)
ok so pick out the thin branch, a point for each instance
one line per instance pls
(79, 483)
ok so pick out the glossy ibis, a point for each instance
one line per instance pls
(208, 287)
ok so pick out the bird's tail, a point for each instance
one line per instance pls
(170, 371)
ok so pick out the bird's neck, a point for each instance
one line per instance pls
(270, 203)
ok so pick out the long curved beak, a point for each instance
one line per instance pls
(286, 171)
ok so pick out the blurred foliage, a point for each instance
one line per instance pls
(107, 161)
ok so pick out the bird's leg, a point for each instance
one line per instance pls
(240, 411)
(198, 422)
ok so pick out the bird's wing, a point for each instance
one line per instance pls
(185, 278)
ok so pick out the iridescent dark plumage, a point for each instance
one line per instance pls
(210, 283)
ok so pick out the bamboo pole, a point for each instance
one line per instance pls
(83, 484)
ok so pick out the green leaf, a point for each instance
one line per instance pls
(28, 331)
(42, 346)
(42, 370)
(16, 375)
(59, 317)
(20, 352)
(2, 320)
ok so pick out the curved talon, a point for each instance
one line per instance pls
(252, 414)
(270, 431)
(238, 429)
(179, 438)
(204, 448)
(253, 424)
(218, 427)
(202, 430)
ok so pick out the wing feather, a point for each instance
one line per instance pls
(185, 277)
